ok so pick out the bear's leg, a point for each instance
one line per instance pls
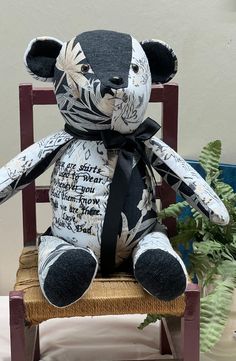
(65, 271)
(158, 268)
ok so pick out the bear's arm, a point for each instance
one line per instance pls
(185, 181)
(29, 164)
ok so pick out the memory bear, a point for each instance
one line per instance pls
(102, 184)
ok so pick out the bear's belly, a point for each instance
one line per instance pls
(79, 192)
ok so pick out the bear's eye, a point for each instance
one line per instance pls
(135, 68)
(85, 68)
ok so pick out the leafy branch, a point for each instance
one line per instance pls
(213, 259)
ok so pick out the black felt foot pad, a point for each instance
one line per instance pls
(69, 277)
(160, 274)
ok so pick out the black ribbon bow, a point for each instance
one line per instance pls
(128, 144)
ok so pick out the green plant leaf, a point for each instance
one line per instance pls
(214, 250)
(208, 247)
(174, 210)
(215, 309)
(202, 267)
(150, 318)
(225, 191)
(227, 269)
(210, 159)
(183, 238)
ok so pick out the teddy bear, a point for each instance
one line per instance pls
(102, 189)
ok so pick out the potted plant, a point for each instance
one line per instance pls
(212, 251)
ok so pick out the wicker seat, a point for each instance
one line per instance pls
(113, 296)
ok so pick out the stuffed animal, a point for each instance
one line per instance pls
(102, 184)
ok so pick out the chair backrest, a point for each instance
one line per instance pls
(29, 96)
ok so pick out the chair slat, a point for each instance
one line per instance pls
(43, 96)
(41, 194)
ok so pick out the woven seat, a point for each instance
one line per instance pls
(111, 296)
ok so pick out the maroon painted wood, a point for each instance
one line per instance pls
(24, 338)
(157, 94)
(170, 136)
(42, 195)
(164, 343)
(166, 94)
(16, 306)
(42, 96)
(37, 346)
(26, 115)
(181, 336)
(190, 325)
(27, 138)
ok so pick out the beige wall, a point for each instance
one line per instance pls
(203, 34)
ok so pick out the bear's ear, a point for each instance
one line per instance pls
(162, 60)
(40, 57)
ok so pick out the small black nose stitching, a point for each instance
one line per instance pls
(116, 80)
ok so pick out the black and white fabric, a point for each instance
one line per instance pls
(79, 192)
(186, 181)
(102, 82)
(51, 249)
(87, 104)
(158, 243)
(29, 164)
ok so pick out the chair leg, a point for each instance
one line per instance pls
(37, 346)
(190, 325)
(172, 326)
(24, 339)
(180, 337)
(164, 343)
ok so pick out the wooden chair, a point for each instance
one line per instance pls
(179, 333)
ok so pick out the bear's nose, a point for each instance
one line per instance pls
(117, 80)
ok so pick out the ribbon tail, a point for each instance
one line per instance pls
(112, 220)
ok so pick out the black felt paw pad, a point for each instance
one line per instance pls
(69, 277)
(160, 274)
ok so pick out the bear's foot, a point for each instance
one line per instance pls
(69, 277)
(158, 268)
(160, 274)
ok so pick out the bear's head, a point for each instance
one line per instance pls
(102, 79)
